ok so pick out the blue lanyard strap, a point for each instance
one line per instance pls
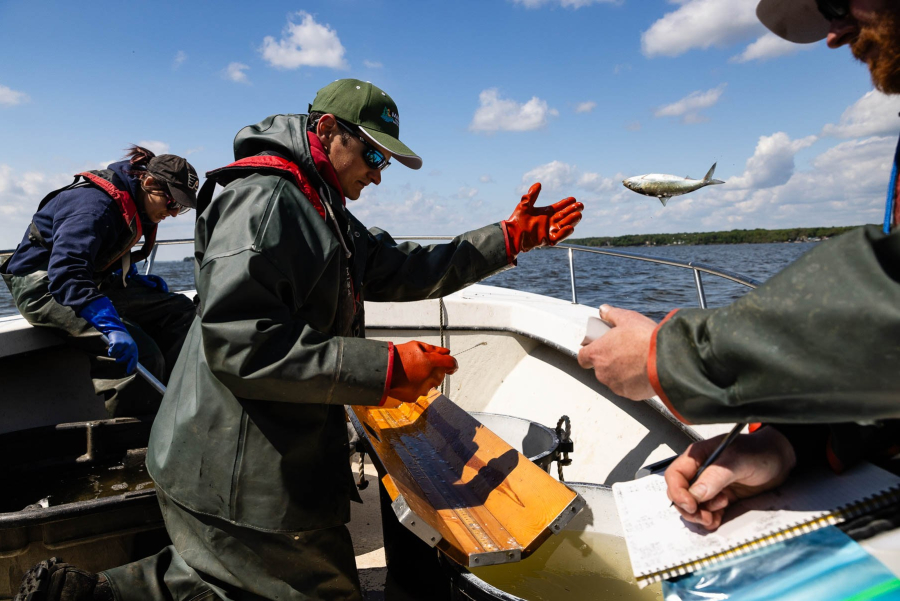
(891, 195)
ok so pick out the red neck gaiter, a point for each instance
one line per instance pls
(323, 164)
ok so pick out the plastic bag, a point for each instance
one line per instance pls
(825, 565)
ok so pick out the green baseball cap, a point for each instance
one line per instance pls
(372, 110)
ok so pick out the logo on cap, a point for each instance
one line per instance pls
(391, 116)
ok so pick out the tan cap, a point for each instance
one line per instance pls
(796, 21)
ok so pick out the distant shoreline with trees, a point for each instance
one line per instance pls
(756, 236)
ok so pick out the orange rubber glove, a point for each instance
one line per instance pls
(419, 367)
(529, 226)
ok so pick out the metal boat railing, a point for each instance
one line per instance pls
(694, 266)
(697, 268)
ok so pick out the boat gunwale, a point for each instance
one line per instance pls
(657, 405)
(39, 516)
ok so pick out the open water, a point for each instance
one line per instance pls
(646, 287)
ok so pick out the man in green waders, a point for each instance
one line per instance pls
(249, 449)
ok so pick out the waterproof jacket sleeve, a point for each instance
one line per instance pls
(268, 302)
(819, 342)
(409, 271)
(842, 445)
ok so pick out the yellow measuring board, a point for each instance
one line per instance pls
(458, 486)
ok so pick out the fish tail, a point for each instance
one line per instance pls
(714, 181)
(708, 178)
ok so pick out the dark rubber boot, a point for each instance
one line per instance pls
(51, 580)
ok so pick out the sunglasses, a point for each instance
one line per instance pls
(834, 10)
(171, 203)
(373, 157)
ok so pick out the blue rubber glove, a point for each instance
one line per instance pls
(149, 281)
(101, 314)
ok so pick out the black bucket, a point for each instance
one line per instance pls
(536, 441)
(598, 517)
(77, 491)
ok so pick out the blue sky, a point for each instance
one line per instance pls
(493, 94)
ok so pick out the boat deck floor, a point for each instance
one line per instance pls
(365, 528)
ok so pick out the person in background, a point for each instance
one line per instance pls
(74, 272)
(249, 449)
(814, 353)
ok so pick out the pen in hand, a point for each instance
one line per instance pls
(715, 454)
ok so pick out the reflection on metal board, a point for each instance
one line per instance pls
(458, 486)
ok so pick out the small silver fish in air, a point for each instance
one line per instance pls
(665, 187)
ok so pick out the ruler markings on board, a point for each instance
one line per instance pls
(415, 453)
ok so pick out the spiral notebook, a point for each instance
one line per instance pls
(663, 545)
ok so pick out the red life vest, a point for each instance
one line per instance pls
(350, 310)
(103, 179)
(258, 164)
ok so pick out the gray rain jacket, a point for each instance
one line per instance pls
(252, 427)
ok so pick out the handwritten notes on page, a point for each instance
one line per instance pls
(662, 545)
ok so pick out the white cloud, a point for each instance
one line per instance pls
(10, 97)
(5, 177)
(564, 3)
(155, 146)
(841, 185)
(768, 46)
(585, 107)
(180, 57)
(689, 107)
(621, 68)
(498, 114)
(235, 72)
(372, 64)
(466, 193)
(557, 176)
(594, 182)
(875, 114)
(408, 211)
(772, 163)
(20, 194)
(701, 24)
(844, 185)
(308, 44)
(486, 179)
(553, 176)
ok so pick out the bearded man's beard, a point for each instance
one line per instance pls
(883, 37)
